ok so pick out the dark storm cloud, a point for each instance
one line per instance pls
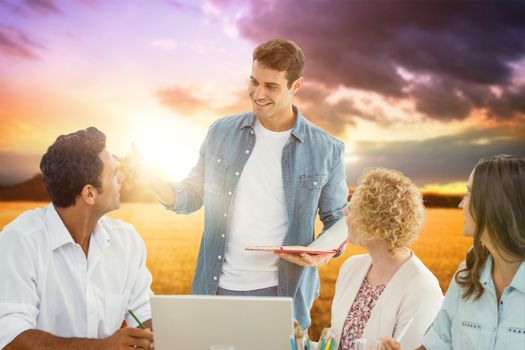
(443, 159)
(510, 104)
(440, 100)
(464, 47)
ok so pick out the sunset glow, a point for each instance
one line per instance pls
(158, 73)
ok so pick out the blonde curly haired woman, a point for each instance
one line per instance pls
(389, 291)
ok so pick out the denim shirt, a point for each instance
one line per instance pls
(482, 323)
(313, 181)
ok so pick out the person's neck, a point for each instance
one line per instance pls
(80, 222)
(282, 122)
(504, 269)
(384, 263)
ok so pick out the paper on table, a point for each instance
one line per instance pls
(330, 242)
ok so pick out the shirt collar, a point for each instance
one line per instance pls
(100, 235)
(297, 131)
(56, 230)
(518, 281)
(59, 235)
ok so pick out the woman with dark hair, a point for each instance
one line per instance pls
(484, 307)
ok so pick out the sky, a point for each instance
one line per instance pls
(424, 87)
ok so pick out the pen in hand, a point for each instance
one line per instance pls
(141, 325)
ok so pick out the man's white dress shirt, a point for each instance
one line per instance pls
(47, 283)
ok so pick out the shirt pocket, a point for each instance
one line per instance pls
(215, 175)
(114, 312)
(470, 335)
(313, 181)
(515, 338)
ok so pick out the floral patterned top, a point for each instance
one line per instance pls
(359, 314)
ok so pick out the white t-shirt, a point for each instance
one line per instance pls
(258, 216)
(47, 283)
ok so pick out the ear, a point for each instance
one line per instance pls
(297, 84)
(88, 194)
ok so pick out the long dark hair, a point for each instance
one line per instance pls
(497, 205)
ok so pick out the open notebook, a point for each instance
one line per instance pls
(330, 242)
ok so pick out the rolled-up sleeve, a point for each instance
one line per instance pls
(334, 194)
(139, 300)
(439, 335)
(190, 191)
(18, 292)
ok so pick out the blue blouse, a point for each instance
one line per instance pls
(481, 324)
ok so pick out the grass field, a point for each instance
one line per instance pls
(173, 240)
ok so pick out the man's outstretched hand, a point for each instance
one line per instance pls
(141, 171)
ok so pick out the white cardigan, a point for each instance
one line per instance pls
(412, 292)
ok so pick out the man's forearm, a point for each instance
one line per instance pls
(164, 192)
(33, 339)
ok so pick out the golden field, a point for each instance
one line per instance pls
(173, 241)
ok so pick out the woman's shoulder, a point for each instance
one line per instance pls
(421, 275)
(355, 262)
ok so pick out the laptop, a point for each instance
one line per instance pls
(199, 322)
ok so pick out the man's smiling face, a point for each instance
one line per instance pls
(271, 97)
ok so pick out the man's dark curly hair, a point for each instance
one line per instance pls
(72, 162)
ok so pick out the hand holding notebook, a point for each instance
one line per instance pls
(330, 242)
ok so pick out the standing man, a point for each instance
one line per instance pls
(68, 274)
(262, 176)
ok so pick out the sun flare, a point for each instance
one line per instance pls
(169, 146)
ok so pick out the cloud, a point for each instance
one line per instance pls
(437, 160)
(331, 109)
(510, 105)
(43, 6)
(465, 48)
(440, 100)
(182, 99)
(190, 101)
(16, 43)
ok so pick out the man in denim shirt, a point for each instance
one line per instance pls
(262, 176)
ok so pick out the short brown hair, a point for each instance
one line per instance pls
(497, 205)
(387, 206)
(72, 162)
(281, 55)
